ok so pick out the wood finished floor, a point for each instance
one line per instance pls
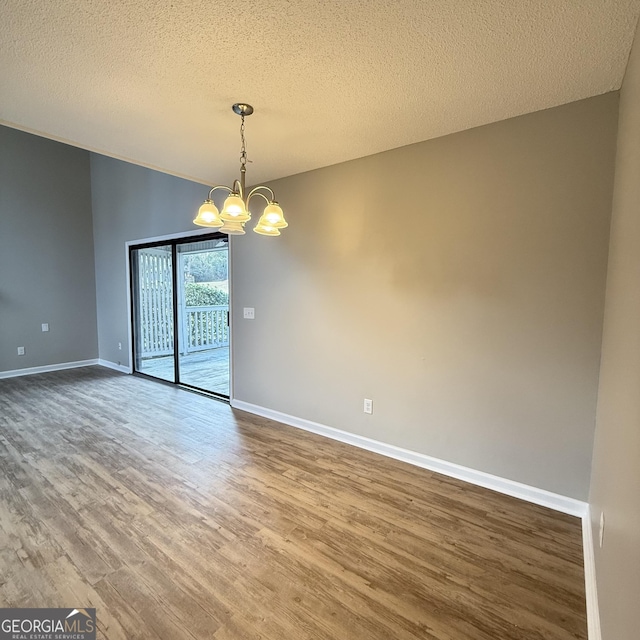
(179, 518)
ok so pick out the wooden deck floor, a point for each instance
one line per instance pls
(179, 518)
(208, 370)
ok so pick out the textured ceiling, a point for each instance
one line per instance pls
(152, 81)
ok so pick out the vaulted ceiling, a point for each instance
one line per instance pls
(153, 81)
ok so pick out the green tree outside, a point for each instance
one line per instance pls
(206, 267)
(204, 295)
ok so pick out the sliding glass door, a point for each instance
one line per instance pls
(203, 315)
(180, 312)
(153, 311)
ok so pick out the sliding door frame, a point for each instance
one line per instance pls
(174, 240)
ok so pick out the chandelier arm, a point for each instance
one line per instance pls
(238, 187)
(218, 186)
(256, 190)
(257, 193)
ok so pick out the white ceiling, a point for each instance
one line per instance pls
(153, 81)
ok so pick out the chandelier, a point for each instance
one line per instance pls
(235, 210)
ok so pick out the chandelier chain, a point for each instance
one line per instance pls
(243, 149)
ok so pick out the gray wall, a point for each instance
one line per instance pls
(46, 253)
(458, 282)
(615, 481)
(131, 203)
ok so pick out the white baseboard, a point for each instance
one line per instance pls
(28, 371)
(116, 367)
(480, 478)
(593, 611)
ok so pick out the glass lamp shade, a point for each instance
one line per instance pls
(264, 228)
(208, 215)
(234, 210)
(273, 216)
(233, 228)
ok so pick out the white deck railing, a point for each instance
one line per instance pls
(202, 328)
(205, 328)
(155, 310)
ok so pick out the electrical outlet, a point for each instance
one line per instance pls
(249, 313)
(601, 528)
(119, 346)
(368, 405)
(45, 326)
(20, 351)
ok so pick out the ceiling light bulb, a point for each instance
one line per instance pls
(208, 215)
(265, 229)
(234, 209)
(273, 216)
(233, 228)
